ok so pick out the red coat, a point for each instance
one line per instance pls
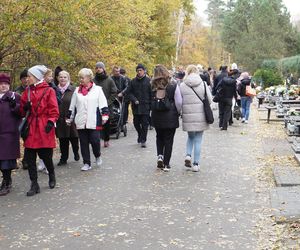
(39, 116)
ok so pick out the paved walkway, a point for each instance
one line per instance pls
(129, 204)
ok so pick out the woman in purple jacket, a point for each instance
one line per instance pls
(9, 134)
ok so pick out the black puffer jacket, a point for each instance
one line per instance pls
(218, 80)
(228, 86)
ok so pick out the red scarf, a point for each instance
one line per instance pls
(84, 90)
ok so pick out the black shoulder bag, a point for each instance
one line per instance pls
(207, 110)
(25, 125)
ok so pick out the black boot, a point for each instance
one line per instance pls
(4, 189)
(34, 189)
(52, 180)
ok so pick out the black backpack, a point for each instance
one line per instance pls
(160, 100)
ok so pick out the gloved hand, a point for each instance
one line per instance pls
(27, 106)
(49, 126)
(12, 102)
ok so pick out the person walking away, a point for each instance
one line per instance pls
(89, 111)
(165, 120)
(110, 91)
(139, 93)
(40, 100)
(228, 88)
(193, 116)
(9, 133)
(242, 82)
(66, 133)
(219, 77)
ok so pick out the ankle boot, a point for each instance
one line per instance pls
(4, 189)
(52, 180)
(34, 189)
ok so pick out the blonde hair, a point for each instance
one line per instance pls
(86, 72)
(64, 72)
(191, 69)
(48, 72)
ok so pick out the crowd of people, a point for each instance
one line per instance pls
(46, 106)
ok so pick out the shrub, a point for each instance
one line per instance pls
(268, 77)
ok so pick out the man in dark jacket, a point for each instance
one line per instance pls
(227, 86)
(23, 78)
(139, 93)
(219, 77)
(110, 91)
(121, 83)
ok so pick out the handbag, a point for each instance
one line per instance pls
(24, 125)
(209, 116)
(250, 91)
(218, 95)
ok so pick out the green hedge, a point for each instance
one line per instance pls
(268, 77)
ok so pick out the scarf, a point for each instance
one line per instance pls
(84, 90)
(100, 76)
(63, 89)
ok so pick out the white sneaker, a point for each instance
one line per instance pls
(195, 168)
(41, 166)
(243, 120)
(246, 121)
(98, 161)
(160, 162)
(188, 161)
(86, 167)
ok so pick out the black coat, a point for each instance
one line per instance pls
(228, 86)
(242, 86)
(139, 89)
(218, 80)
(166, 119)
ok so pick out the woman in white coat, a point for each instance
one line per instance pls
(193, 117)
(89, 111)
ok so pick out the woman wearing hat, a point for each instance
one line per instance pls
(40, 100)
(9, 134)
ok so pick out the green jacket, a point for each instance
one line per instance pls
(109, 88)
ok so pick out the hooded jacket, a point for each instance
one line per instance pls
(193, 116)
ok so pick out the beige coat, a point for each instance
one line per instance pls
(193, 117)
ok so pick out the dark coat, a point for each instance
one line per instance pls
(62, 129)
(228, 86)
(40, 115)
(242, 86)
(9, 123)
(218, 79)
(109, 88)
(139, 89)
(166, 119)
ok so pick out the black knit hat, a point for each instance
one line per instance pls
(24, 73)
(140, 66)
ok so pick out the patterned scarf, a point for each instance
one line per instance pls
(64, 88)
(84, 90)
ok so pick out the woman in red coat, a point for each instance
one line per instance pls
(40, 100)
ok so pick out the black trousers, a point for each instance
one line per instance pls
(164, 143)
(6, 174)
(87, 137)
(45, 154)
(105, 132)
(224, 112)
(125, 112)
(64, 147)
(141, 123)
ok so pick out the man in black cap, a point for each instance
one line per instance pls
(23, 78)
(139, 93)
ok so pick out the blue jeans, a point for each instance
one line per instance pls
(194, 141)
(246, 101)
